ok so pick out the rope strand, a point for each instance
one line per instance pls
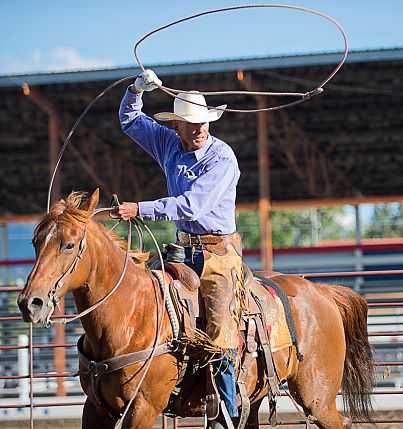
(303, 96)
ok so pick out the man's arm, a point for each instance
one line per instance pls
(203, 196)
(152, 137)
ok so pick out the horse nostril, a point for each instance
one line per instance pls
(35, 304)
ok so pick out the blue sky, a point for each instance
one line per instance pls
(43, 35)
(59, 35)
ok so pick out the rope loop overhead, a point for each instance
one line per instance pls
(173, 92)
(301, 96)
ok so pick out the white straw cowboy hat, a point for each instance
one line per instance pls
(189, 112)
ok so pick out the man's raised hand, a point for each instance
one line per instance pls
(148, 81)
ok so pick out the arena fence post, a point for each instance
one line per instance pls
(23, 369)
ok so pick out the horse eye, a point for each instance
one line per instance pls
(69, 246)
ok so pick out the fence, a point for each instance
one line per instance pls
(38, 367)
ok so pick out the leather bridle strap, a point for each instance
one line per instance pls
(118, 362)
(53, 300)
(52, 295)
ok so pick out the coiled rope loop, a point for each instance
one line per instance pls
(302, 96)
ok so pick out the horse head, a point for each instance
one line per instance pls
(61, 263)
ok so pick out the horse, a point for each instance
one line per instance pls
(331, 323)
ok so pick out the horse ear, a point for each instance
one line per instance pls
(92, 202)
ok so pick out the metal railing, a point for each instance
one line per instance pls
(27, 392)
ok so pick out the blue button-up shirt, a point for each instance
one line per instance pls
(201, 184)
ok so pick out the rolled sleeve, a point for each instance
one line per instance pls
(146, 210)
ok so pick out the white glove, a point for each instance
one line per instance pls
(147, 82)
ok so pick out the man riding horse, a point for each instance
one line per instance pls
(202, 174)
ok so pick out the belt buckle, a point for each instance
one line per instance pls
(185, 238)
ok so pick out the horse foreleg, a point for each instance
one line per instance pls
(142, 414)
(253, 419)
(96, 418)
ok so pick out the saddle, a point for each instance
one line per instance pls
(186, 308)
(186, 312)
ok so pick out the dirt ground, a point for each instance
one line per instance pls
(75, 424)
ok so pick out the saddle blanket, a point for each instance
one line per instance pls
(280, 337)
(279, 333)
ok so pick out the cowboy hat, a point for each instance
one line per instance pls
(185, 110)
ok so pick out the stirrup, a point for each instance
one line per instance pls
(222, 421)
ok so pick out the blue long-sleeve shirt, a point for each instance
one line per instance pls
(201, 184)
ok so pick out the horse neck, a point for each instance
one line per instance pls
(124, 319)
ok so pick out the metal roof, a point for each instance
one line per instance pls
(203, 67)
(342, 146)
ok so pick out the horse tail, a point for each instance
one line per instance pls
(359, 370)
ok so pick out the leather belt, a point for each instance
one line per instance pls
(188, 240)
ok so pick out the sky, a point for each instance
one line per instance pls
(58, 35)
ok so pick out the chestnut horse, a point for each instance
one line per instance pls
(330, 321)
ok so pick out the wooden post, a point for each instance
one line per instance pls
(60, 354)
(54, 149)
(50, 109)
(266, 245)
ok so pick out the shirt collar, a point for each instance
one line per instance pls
(199, 153)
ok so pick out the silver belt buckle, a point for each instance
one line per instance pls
(185, 238)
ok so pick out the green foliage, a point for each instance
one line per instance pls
(295, 228)
(386, 221)
(248, 225)
(164, 233)
(290, 228)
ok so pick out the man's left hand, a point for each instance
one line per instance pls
(126, 210)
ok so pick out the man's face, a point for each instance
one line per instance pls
(193, 136)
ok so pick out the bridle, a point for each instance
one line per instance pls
(53, 300)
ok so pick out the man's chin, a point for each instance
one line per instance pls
(198, 143)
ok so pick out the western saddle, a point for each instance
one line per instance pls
(186, 310)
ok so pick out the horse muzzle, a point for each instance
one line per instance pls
(33, 308)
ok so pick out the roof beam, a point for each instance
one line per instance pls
(216, 66)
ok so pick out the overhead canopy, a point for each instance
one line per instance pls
(346, 143)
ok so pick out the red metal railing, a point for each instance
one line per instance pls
(180, 423)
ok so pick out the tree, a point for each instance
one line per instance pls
(296, 228)
(290, 228)
(386, 221)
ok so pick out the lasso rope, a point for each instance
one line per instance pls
(173, 92)
(75, 126)
(303, 96)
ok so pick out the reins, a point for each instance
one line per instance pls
(53, 300)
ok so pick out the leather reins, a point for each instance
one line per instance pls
(147, 354)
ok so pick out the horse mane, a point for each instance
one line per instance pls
(71, 212)
(138, 257)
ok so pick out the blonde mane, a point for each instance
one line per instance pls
(73, 212)
(138, 257)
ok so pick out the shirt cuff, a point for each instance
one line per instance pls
(130, 97)
(146, 210)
